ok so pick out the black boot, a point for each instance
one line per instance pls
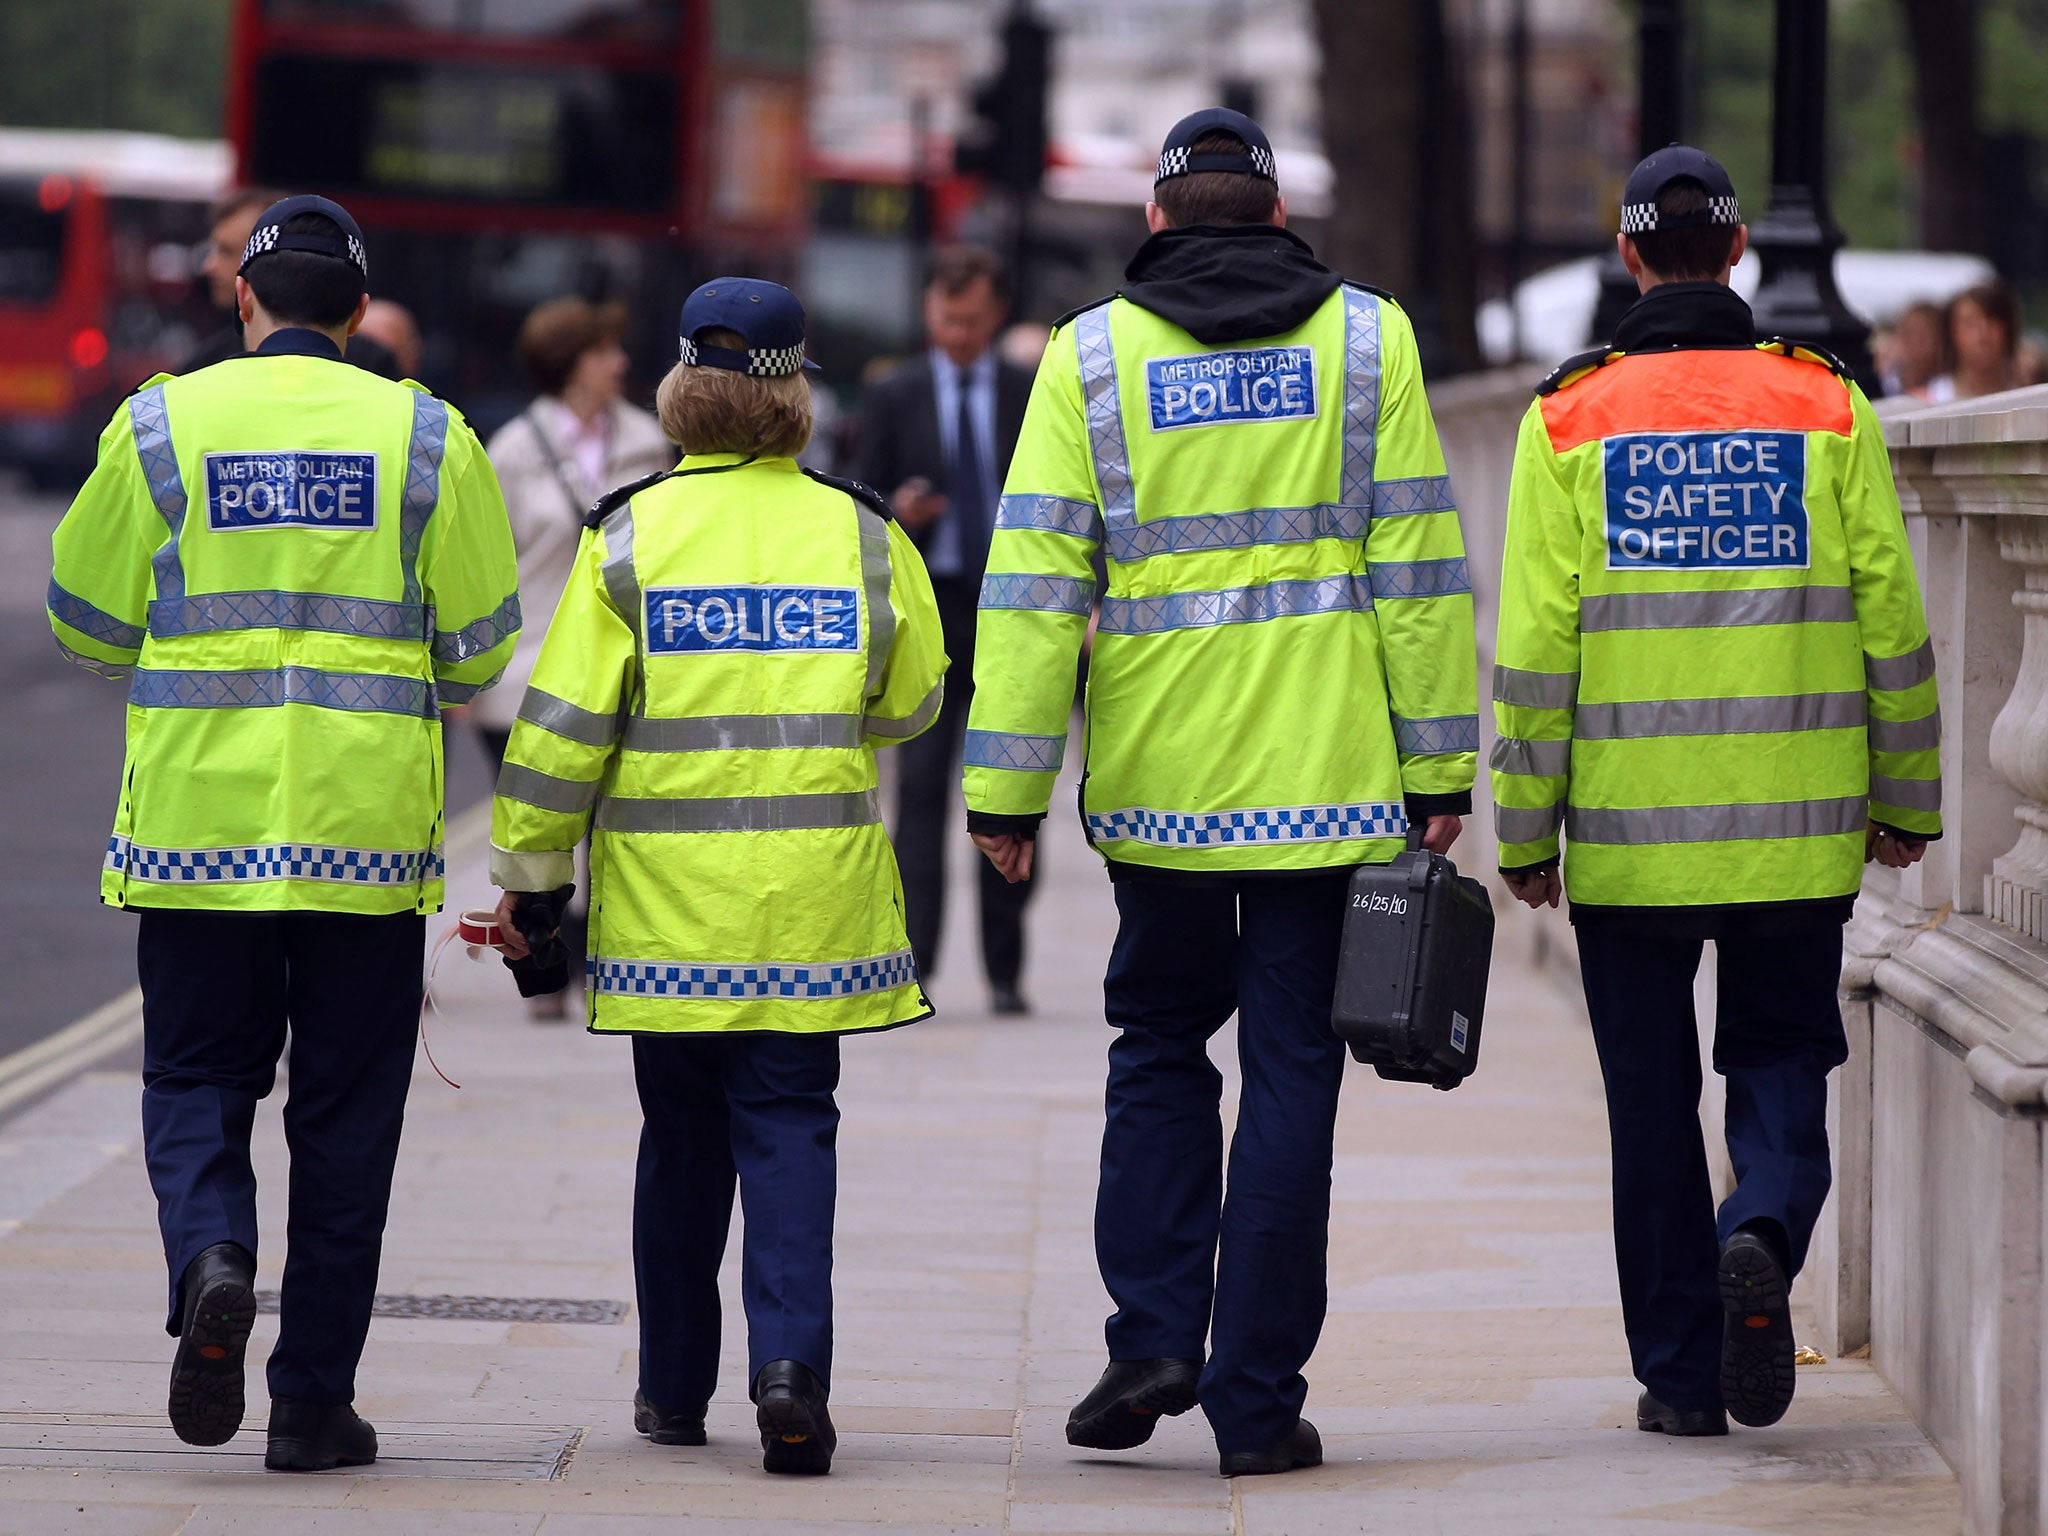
(665, 1428)
(796, 1429)
(1657, 1419)
(317, 1437)
(216, 1310)
(1301, 1446)
(1757, 1373)
(1129, 1400)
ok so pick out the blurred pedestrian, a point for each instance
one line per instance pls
(737, 638)
(936, 439)
(391, 325)
(307, 563)
(1983, 336)
(1918, 351)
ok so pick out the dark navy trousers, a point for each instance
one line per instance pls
(1186, 1258)
(754, 1110)
(1777, 1036)
(220, 991)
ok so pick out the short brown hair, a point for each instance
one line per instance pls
(956, 268)
(1217, 197)
(717, 410)
(559, 332)
(1697, 254)
(1994, 301)
(241, 200)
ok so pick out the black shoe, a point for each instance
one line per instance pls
(796, 1429)
(219, 1308)
(1757, 1374)
(665, 1428)
(317, 1437)
(1657, 1419)
(1129, 1400)
(1007, 1002)
(1301, 1446)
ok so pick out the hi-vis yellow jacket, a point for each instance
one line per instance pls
(1713, 668)
(735, 641)
(1284, 656)
(301, 562)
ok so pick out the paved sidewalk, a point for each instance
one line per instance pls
(1472, 1377)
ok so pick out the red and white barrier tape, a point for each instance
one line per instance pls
(478, 931)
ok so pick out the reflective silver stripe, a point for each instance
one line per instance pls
(1420, 493)
(752, 979)
(372, 692)
(1892, 673)
(516, 781)
(1719, 717)
(151, 426)
(920, 717)
(1275, 824)
(519, 871)
(1005, 749)
(1236, 530)
(450, 692)
(209, 612)
(1361, 395)
(96, 623)
(422, 485)
(572, 721)
(1922, 735)
(1105, 416)
(274, 861)
(1436, 734)
(742, 813)
(874, 580)
(1907, 794)
(1418, 578)
(1534, 690)
(1538, 759)
(1716, 610)
(1718, 823)
(94, 664)
(741, 733)
(1043, 594)
(1233, 605)
(621, 581)
(1527, 824)
(480, 635)
(1051, 514)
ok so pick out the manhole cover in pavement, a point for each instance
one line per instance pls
(486, 1309)
(138, 1443)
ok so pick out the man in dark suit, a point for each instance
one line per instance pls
(936, 439)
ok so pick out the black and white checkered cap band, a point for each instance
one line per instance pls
(1641, 218)
(264, 239)
(763, 362)
(1175, 162)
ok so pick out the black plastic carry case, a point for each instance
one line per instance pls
(1411, 975)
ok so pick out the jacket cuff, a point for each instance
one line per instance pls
(1523, 869)
(1911, 837)
(1422, 807)
(994, 824)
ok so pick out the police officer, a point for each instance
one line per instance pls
(301, 563)
(737, 637)
(1282, 684)
(1714, 672)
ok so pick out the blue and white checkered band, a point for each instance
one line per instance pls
(762, 362)
(1174, 162)
(263, 240)
(1641, 218)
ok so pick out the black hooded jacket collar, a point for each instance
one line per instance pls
(1228, 283)
(1674, 317)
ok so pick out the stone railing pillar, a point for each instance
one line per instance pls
(2016, 888)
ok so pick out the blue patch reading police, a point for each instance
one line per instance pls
(695, 619)
(1249, 384)
(303, 488)
(1707, 501)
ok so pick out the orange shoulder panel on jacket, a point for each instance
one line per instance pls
(1698, 391)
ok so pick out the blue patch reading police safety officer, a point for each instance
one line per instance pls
(293, 489)
(683, 619)
(1707, 501)
(1252, 384)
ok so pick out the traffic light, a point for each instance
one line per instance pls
(1005, 138)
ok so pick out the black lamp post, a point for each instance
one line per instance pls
(1660, 39)
(1796, 239)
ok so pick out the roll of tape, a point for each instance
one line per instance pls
(480, 927)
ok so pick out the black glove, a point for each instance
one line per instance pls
(538, 917)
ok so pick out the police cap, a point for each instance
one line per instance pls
(1177, 155)
(1646, 183)
(343, 241)
(766, 316)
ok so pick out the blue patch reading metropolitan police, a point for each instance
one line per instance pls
(293, 489)
(1707, 501)
(1252, 384)
(683, 619)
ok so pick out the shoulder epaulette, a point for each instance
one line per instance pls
(1806, 352)
(1578, 364)
(1368, 288)
(612, 500)
(1081, 309)
(860, 491)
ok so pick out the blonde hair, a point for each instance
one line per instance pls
(715, 410)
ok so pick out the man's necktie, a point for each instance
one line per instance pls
(969, 482)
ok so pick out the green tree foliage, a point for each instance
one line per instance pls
(150, 65)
